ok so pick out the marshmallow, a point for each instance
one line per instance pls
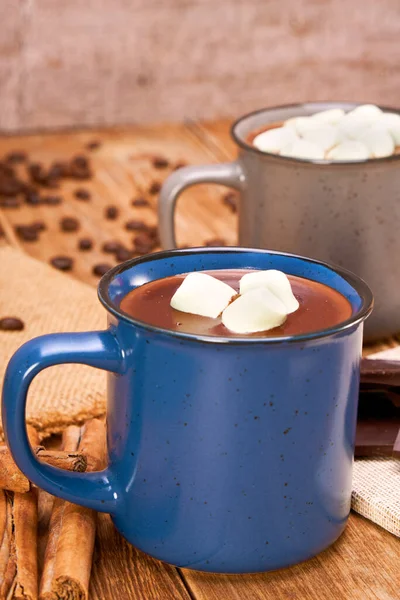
(348, 150)
(273, 140)
(378, 141)
(368, 113)
(201, 294)
(303, 149)
(391, 122)
(276, 282)
(324, 136)
(298, 124)
(257, 310)
(332, 116)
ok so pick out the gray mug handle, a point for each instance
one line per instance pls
(229, 174)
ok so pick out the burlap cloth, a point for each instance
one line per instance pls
(48, 301)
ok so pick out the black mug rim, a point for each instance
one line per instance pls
(307, 161)
(353, 280)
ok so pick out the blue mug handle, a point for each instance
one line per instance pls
(98, 349)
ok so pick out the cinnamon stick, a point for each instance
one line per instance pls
(69, 551)
(13, 480)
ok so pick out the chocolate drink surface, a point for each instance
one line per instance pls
(321, 307)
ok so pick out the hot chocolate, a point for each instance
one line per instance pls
(320, 307)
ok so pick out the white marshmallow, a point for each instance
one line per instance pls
(297, 123)
(325, 136)
(303, 149)
(368, 113)
(201, 294)
(332, 116)
(276, 282)
(378, 141)
(273, 140)
(257, 310)
(348, 150)
(391, 122)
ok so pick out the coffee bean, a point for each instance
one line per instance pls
(10, 202)
(32, 198)
(155, 187)
(58, 170)
(111, 246)
(143, 243)
(82, 194)
(10, 187)
(69, 224)
(230, 200)
(160, 162)
(111, 212)
(93, 145)
(62, 263)
(52, 200)
(138, 202)
(11, 324)
(215, 242)
(85, 244)
(123, 254)
(80, 161)
(2, 232)
(101, 269)
(79, 168)
(38, 225)
(16, 157)
(27, 233)
(39, 176)
(135, 225)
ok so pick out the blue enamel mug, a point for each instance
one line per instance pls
(225, 454)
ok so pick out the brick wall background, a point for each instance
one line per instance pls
(82, 62)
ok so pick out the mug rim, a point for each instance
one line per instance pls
(309, 161)
(358, 284)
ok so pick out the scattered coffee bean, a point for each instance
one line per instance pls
(63, 263)
(2, 232)
(101, 269)
(111, 212)
(16, 157)
(38, 225)
(155, 187)
(135, 225)
(85, 244)
(230, 200)
(10, 187)
(11, 324)
(82, 194)
(180, 165)
(32, 198)
(80, 161)
(39, 176)
(69, 224)
(138, 202)
(58, 170)
(111, 246)
(123, 254)
(27, 233)
(143, 243)
(215, 242)
(93, 145)
(52, 200)
(10, 202)
(159, 162)
(79, 168)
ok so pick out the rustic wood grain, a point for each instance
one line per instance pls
(362, 565)
(122, 571)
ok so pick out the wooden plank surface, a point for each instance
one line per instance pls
(364, 563)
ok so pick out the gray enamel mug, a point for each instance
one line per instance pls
(345, 213)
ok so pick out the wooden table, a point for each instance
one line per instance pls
(365, 563)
